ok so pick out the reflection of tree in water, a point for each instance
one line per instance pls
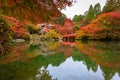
(28, 70)
(47, 47)
(106, 55)
(90, 64)
(112, 49)
(66, 49)
(15, 54)
(34, 47)
(109, 58)
(109, 72)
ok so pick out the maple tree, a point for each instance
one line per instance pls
(80, 34)
(18, 28)
(105, 26)
(33, 10)
(67, 28)
(52, 34)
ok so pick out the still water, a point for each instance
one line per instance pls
(91, 60)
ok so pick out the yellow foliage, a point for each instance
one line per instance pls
(52, 34)
(80, 34)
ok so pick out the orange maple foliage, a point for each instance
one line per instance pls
(66, 28)
(105, 26)
(34, 10)
(91, 28)
(103, 22)
(17, 27)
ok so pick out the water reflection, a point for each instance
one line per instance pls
(74, 70)
(74, 61)
(105, 54)
(44, 75)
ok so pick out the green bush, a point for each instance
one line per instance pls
(5, 36)
(32, 30)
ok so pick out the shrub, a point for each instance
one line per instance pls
(5, 37)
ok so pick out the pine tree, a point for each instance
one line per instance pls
(97, 10)
(90, 14)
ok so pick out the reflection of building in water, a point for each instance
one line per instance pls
(50, 47)
(47, 47)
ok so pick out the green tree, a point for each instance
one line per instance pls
(90, 14)
(52, 34)
(5, 37)
(78, 18)
(97, 10)
(111, 5)
(93, 12)
(60, 20)
(32, 29)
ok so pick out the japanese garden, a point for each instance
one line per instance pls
(39, 42)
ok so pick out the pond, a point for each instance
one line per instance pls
(90, 60)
